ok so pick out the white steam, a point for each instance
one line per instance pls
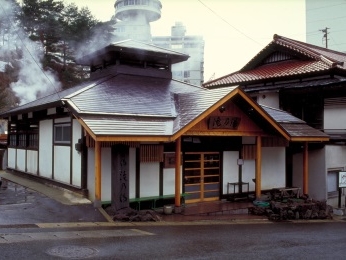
(33, 82)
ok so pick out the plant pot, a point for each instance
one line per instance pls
(167, 209)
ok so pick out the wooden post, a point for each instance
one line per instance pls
(305, 169)
(97, 202)
(177, 172)
(258, 167)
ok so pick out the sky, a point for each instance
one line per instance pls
(234, 31)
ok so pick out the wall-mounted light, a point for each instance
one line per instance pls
(240, 161)
(222, 109)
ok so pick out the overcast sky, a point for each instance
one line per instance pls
(234, 30)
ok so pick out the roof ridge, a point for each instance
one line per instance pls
(309, 49)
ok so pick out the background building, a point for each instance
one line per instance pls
(133, 22)
(191, 71)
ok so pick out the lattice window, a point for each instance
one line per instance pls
(151, 153)
(249, 152)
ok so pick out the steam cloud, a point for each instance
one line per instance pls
(33, 82)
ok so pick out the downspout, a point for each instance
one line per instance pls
(177, 172)
(306, 169)
(258, 172)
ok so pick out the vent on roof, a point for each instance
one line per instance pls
(277, 56)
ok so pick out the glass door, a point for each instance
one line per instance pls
(201, 176)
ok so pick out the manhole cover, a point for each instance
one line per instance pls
(73, 252)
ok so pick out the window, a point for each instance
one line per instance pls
(186, 74)
(22, 140)
(332, 182)
(62, 134)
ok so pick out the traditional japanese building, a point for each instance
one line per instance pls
(133, 133)
(310, 83)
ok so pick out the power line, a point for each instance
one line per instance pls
(223, 19)
(323, 7)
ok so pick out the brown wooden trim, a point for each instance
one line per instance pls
(224, 133)
(258, 172)
(205, 114)
(264, 114)
(177, 171)
(305, 169)
(309, 139)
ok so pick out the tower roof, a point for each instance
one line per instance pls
(135, 51)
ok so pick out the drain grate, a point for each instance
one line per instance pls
(73, 252)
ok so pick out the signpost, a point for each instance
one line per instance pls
(341, 184)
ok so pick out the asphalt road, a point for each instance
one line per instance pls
(204, 241)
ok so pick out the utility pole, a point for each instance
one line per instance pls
(325, 35)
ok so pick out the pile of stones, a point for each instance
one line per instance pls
(293, 209)
(131, 215)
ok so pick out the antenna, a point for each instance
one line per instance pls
(325, 35)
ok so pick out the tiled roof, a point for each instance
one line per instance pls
(315, 59)
(294, 127)
(272, 70)
(139, 105)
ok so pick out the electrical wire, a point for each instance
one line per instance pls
(223, 19)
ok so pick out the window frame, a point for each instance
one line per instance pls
(63, 126)
(334, 171)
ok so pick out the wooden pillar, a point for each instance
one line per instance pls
(177, 172)
(258, 167)
(97, 202)
(305, 169)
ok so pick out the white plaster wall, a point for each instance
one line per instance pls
(273, 167)
(21, 156)
(32, 161)
(334, 117)
(62, 163)
(269, 99)
(91, 174)
(169, 181)
(76, 156)
(46, 148)
(11, 159)
(106, 178)
(248, 172)
(335, 156)
(149, 179)
(229, 169)
(317, 184)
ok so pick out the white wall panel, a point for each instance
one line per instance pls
(317, 185)
(76, 156)
(46, 148)
(62, 163)
(106, 182)
(229, 168)
(21, 156)
(273, 167)
(149, 179)
(169, 181)
(334, 117)
(32, 162)
(12, 158)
